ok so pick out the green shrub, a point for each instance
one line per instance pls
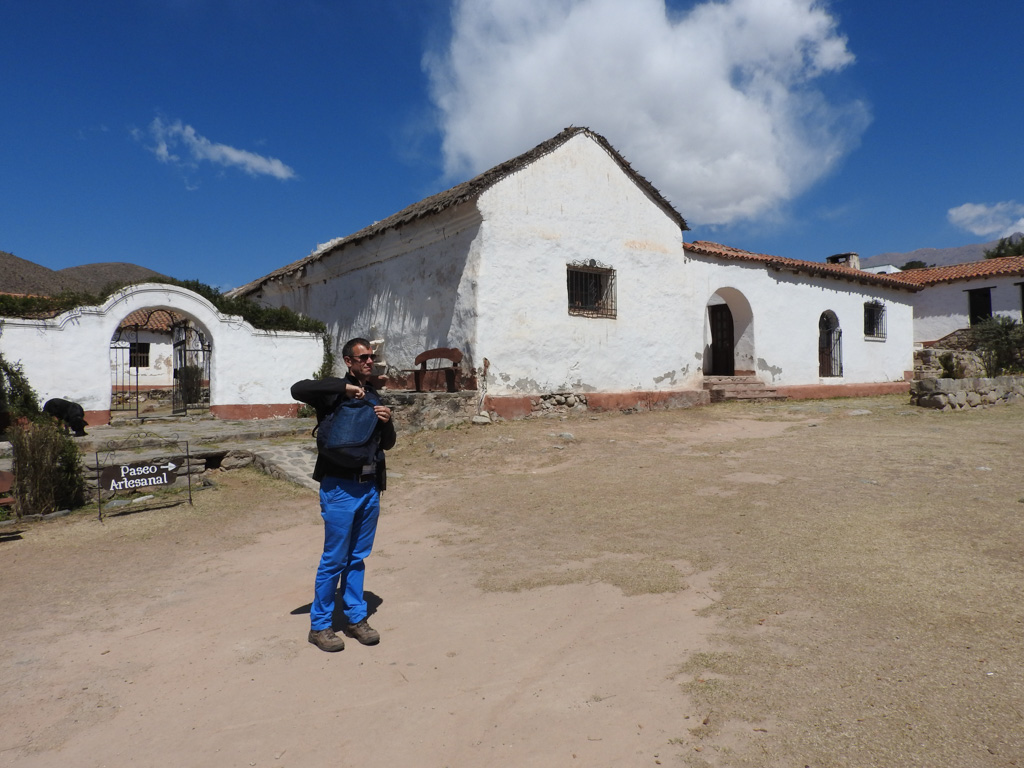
(265, 318)
(1000, 343)
(327, 365)
(190, 379)
(17, 398)
(951, 367)
(48, 473)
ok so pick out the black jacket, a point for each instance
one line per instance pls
(322, 395)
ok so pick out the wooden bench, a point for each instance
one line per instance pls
(6, 483)
(452, 374)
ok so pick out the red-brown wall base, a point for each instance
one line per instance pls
(245, 412)
(510, 407)
(825, 391)
(96, 418)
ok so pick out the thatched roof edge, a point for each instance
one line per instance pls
(461, 193)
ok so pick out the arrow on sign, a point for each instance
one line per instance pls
(169, 466)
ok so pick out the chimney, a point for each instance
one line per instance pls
(851, 260)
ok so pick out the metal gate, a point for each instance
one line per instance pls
(124, 371)
(830, 345)
(192, 352)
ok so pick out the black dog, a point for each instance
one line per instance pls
(71, 414)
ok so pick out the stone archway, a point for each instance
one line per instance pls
(69, 355)
(142, 363)
(161, 356)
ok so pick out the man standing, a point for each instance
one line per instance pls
(349, 503)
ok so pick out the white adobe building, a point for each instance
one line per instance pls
(564, 270)
(957, 296)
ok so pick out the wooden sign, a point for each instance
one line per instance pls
(130, 477)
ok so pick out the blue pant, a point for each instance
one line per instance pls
(350, 510)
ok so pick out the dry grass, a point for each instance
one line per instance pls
(868, 556)
(867, 561)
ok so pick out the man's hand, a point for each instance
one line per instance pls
(383, 412)
(353, 392)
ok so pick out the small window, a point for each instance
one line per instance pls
(979, 305)
(591, 289)
(874, 320)
(138, 354)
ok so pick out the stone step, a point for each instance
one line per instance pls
(723, 388)
(713, 380)
(718, 396)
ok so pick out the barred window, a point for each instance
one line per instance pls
(874, 320)
(591, 288)
(138, 354)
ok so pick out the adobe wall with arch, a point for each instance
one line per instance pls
(251, 370)
(776, 318)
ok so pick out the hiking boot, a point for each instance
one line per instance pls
(363, 632)
(326, 640)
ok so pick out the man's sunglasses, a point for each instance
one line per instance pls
(363, 358)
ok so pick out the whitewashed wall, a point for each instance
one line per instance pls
(159, 372)
(490, 279)
(941, 309)
(414, 287)
(785, 310)
(576, 204)
(68, 356)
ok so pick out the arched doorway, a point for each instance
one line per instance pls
(141, 364)
(729, 335)
(723, 344)
(830, 345)
(160, 362)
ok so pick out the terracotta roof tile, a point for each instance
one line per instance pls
(797, 266)
(151, 319)
(973, 270)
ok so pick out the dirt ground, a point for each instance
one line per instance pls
(833, 583)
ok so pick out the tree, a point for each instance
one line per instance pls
(17, 398)
(915, 264)
(1007, 246)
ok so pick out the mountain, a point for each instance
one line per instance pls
(18, 275)
(938, 257)
(95, 277)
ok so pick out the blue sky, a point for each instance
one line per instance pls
(221, 139)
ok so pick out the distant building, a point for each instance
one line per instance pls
(142, 350)
(955, 297)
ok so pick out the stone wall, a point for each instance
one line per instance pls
(415, 411)
(928, 366)
(559, 402)
(958, 394)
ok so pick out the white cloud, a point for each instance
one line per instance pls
(719, 107)
(998, 220)
(179, 144)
